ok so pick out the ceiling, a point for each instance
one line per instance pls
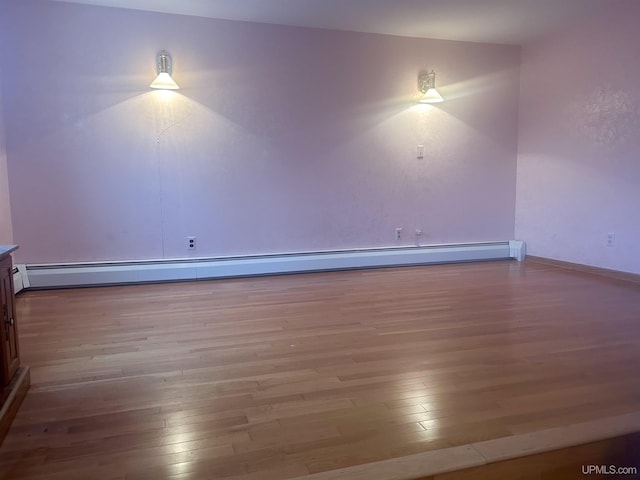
(492, 21)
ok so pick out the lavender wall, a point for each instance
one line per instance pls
(578, 163)
(281, 139)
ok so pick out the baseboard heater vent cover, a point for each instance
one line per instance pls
(112, 273)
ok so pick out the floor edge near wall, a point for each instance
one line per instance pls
(607, 442)
(578, 267)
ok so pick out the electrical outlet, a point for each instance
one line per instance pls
(418, 236)
(399, 233)
(420, 152)
(191, 243)
(611, 239)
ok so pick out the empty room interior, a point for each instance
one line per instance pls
(319, 239)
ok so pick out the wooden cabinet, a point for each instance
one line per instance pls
(14, 378)
(9, 351)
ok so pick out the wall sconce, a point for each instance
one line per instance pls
(164, 80)
(427, 85)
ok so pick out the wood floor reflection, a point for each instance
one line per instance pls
(277, 377)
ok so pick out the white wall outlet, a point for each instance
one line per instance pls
(399, 233)
(611, 239)
(420, 152)
(191, 243)
(418, 236)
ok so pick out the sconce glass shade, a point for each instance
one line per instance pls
(431, 96)
(164, 80)
(427, 85)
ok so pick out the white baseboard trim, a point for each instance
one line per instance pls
(517, 250)
(113, 273)
(20, 278)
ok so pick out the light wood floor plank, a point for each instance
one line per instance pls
(279, 377)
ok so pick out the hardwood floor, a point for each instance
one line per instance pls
(278, 377)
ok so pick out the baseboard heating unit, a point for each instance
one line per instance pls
(129, 272)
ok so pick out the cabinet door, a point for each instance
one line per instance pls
(8, 329)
